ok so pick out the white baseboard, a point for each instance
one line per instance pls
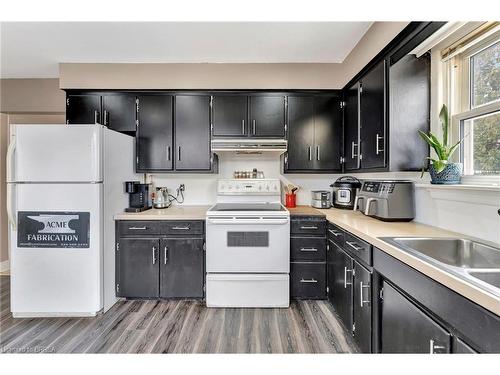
(4, 266)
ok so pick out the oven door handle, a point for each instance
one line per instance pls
(241, 221)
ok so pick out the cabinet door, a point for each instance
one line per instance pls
(137, 269)
(339, 274)
(83, 109)
(362, 308)
(405, 328)
(372, 121)
(229, 116)
(181, 269)
(327, 133)
(154, 134)
(267, 116)
(192, 132)
(119, 111)
(460, 347)
(301, 133)
(351, 129)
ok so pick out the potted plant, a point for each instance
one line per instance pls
(443, 171)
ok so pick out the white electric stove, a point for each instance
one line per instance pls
(248, 245)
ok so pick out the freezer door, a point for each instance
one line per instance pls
(56, 250)
(48, 153)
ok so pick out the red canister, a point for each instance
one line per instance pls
(290, 200)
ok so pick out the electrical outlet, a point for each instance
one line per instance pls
(182, 187)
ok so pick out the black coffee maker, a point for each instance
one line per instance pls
(139, 198)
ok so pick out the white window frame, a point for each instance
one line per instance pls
(457, 95)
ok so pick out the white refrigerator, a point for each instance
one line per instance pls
(64, 185)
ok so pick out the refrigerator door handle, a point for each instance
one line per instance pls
(10, 154)
(10, 216)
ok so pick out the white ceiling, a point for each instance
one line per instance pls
(34, 49)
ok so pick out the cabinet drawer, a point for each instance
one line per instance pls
(158, 228)
(308, 280)
(358, 248)
(184, 227)
(311, 249)
(336, 234)
(304, 225)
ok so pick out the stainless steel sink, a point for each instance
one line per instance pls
(473, 261)
(456, 252)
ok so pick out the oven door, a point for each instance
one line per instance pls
(248, 244)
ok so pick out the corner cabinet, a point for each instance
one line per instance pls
(160, 259)
(314, 134)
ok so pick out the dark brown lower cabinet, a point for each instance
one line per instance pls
(362, 308)
(181, 268)
(137, 268)
(160, 266)
(405, 328)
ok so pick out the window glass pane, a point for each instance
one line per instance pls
(485, 75)
(481, 149)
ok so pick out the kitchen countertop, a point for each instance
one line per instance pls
(305, 211)
(171, 213)
(370, 229)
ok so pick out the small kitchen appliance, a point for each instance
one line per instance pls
(344, 192)
(161, 199)
(321, 199)
(387, 200)
(248, 245)
(139, 198)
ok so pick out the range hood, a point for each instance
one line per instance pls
(249, 146)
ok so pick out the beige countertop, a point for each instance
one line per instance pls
(370, 229)
(171, 213)
(305, 210)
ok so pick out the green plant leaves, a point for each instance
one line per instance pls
(444, 118)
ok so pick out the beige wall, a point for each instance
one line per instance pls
(31, 96)
(231, 76)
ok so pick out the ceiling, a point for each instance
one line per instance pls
(34, 49)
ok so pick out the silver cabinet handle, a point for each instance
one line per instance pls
(377, 149)
(242, 126)
(180, 228)
(361, 300)
(168, 153)
(336, 234)
(345, 277)
(309, 227)
(353, 146)
(308, 281)
(137, 228)
(254, 125)
(308, 249)
(105, 117)
(96, 115)
(179, 153)
(433, 347)
(353, 245)
(317, 153)
(154, 255)
(165, 255)
(309, 153)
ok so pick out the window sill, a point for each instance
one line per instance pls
(476, 187)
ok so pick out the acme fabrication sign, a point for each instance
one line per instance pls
(53, 229)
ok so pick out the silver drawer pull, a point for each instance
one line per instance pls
(308, 249)
(137, 228)
(308, 281)
(345, 277)
(361, 287)
(353, 245)
(433, 347)
(180, 228)
(310, 227)
(336, 234)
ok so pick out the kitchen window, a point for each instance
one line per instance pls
(472, 91)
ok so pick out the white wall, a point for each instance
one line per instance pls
(465, 211)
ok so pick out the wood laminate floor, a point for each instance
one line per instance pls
(178, 327)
